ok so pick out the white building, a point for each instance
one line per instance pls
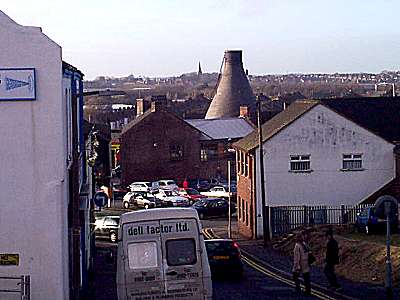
(36, 153)
(331, 153)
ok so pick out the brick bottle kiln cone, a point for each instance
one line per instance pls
(233, 89)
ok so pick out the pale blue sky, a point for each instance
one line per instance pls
(169, 37)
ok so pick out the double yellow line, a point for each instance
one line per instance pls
(255, 265)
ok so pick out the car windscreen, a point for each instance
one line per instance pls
(192, 192)
(181, 252)
(170, 182)
(169, 193)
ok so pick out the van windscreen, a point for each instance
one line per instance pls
(181, 252)
(142, 255)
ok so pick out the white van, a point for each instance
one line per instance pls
(162, 255)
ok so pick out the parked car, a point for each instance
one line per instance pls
(141, 199)
(219, 192)
(199, 184)
(167, 185)
(191, 194)
(143, 186)
(367, 221)
(118, 192)
(171, 198)
(107, 227)
(213, 207)
(224, 258)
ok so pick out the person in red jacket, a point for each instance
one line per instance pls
(185, 184)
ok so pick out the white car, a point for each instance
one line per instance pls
(142, 186)
(218, 192)
(168, 184)
(172, 198)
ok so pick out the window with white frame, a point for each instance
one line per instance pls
(300, 163)
(352, 161)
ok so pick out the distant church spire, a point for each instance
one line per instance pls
(199, 72)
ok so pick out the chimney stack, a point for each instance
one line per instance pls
(139, 107)
(244, 111)
(233, 89)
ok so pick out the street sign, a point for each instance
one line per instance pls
(9, 259)
(17, 84)
(100, 199)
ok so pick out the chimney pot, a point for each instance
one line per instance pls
(244, 111)
(139, 107)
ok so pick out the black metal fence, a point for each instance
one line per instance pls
(286, 218)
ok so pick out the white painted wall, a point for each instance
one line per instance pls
(326, 136)
(33, 181)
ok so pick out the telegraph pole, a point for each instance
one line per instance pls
(264, 207)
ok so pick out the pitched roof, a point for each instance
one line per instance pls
(219, 129)
(380, 115)
(274, 125)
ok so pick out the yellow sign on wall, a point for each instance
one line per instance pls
(9, 259)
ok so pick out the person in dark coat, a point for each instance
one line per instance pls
(331, 259)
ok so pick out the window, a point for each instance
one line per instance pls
(142, 255)
(181, 252)
(352, 162)
(238, 162)
(247, 213)
(208, 152)
(239, 208)
(176, 152)
(300, 163)
(246, 165)
(242, 160)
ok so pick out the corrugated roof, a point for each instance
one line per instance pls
(222, 128)
(277, 123)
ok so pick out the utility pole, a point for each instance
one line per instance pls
(229, 201)
(265, 209)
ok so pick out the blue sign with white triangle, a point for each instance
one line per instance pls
(17, 84)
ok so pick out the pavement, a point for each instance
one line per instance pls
(282, 265)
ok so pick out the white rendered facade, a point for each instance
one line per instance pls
(33, 172)
(325, 136)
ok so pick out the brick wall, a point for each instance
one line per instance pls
(145, 151)
(245, 202)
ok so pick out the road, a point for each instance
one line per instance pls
(254, 285)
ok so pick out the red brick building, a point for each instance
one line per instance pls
(160, 145)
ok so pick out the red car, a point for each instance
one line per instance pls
(191, 194)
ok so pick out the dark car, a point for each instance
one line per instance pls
(107, 227)
(224, 258)
(199, 184)
(213, 207)
(118, 192)
(368, 222)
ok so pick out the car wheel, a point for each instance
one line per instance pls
(126, 204)
(201, 216)
(113, 237)
(146, 206)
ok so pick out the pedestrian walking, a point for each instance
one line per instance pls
(301, 264)
(331, 259)
(185, 184)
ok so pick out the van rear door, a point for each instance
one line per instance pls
(182, 261)
(143, 265)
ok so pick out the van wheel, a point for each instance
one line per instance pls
(126, 204)
(201, 216)
(146, 206)
(113, 237)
